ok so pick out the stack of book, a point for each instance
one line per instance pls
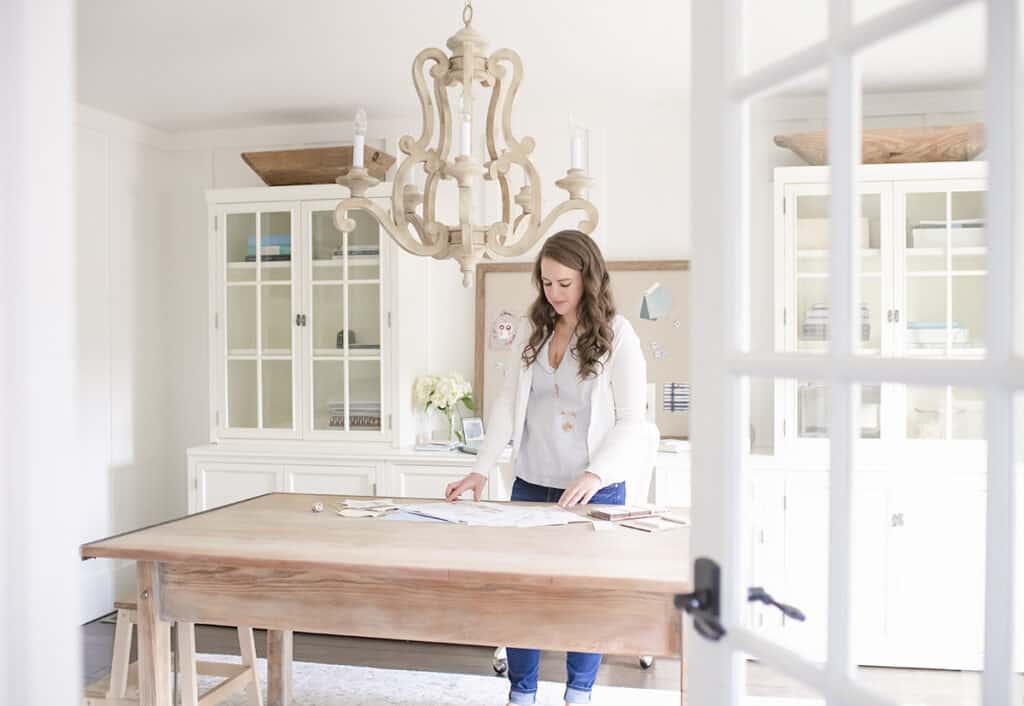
(355, 251)
(272, 248)
(932, 334)
(816, 323)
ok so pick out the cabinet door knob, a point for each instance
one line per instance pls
(897, 519)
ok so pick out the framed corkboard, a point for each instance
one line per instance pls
(653, 295)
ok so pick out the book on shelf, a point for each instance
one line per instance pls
(269, 258)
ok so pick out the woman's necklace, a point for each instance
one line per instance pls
(568, 416)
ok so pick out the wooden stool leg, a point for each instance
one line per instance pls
(187, 664)
(118, 688)
(279, 667)
(247, 645)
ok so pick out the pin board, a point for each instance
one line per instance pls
(653, 295)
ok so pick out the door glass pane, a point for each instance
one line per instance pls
(365, 393)
(241, 320)
(275, 246)
(277, 394)
(329, 394)
(945, 413)
(926, 325)
(364, 247)
(242, 394)
(869, 240)
(813, 411)
(277, 319)
(812, 289)
(239, 228)
(812, 250)
(364, 319)
(328, 319)
(968, 316)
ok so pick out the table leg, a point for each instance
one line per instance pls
(154, 640)
(279, 667)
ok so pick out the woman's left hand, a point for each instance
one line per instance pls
(581, 490)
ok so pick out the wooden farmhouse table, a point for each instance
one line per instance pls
(271, 562)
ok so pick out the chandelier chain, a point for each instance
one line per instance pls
(467, 12)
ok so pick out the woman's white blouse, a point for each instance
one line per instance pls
(554, 449)
(617, 435)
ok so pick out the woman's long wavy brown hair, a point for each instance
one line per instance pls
(596, 309)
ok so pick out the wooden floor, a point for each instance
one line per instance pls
(918, 687)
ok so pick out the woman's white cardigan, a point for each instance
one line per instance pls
(618, 437)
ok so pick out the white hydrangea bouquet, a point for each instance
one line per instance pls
(444, 393)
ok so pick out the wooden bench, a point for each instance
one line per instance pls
(121, 689)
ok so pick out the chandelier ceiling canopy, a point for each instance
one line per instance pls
(412, 221)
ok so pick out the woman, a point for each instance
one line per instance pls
(575, 414)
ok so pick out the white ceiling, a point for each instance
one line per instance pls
(202, 64)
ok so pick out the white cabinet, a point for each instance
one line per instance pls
(300, 343)
(216, 484)
(225, 473)
(921, 271)
(918, 564)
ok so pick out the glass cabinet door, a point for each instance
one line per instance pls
(942, 314)
(258, 314)
(809, 315)
(345, 322)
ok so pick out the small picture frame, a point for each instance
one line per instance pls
(472, 429)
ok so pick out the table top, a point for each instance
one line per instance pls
(280, 531)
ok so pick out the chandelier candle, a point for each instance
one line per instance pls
(411, 221)
(358, 138)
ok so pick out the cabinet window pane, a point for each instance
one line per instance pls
(365, 393)
(241, 323)
(364, 319)
(329, 394)
(328, 316)
(277, 394)
(277, 319)
(242, 394)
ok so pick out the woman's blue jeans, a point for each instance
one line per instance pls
(581, 667)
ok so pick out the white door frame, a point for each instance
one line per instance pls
(722, 363)
(40, 648)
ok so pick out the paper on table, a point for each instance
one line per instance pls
(402, 515)
(495, 514)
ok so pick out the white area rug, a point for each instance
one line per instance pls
(337, 685)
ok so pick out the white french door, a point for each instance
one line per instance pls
(723, 361)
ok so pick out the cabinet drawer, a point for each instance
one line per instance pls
(224, 483)
(332, 480)
(408, 481)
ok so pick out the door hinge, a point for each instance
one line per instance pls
(760, 537)
(783, 427)
(216, 320)
(389, 319)
(785, 503)
(784, 204)
(389, 422)
(216, 416)
(216, 222)
(195, 483)
(785, 316)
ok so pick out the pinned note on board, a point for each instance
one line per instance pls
(656, 302)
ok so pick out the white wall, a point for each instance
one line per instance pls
(124, 397)
(782, 116)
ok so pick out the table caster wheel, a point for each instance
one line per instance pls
(646, 662)
(500, 666)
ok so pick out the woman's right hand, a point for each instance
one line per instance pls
(473, 481)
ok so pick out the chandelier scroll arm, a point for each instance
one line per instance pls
(405, 241)
(535, 233)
